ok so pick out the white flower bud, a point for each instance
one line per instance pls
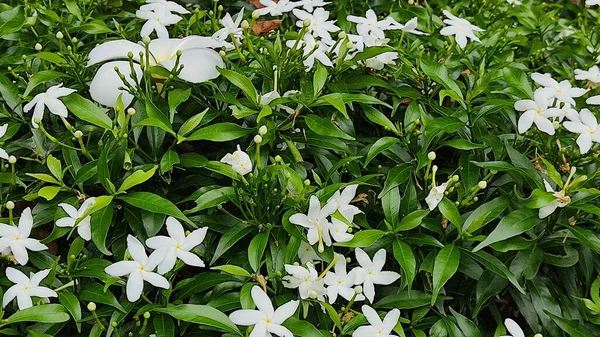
(245, 24)
(10, 205)
(146, 39)
(349, 45)
(38, 47)
(431, 155)
(482, 184)
(306, 22)
(59, 35)
(78, 134)
(342, 35)
(313, 294)
(358, 290)
(258, 139)
(131, 111)
(255, 14)
(12, 159)
(263, 130)
(91, 306)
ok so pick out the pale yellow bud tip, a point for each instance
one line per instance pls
(258, 139)
(431, 155)
(91, 306)
(12, 159)
(10, 205)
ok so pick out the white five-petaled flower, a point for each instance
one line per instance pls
(306, 280)
(339, 231)
(341, 200)
(26, 287)
(230, 27)
(370, 272)
(266, 320)
(377, 327)
(310, 5)
(592, 74)
(436, 194)
(17, 238)
(157, 21)
(139, 270)
(320, 25)
(74, 215)
(104, 88)
(176, 245)
(3, 153)
(341, 282)
(276, 8)
(563, 91)
(537, 111)
(171, 6)
(371, 26)
(410, 26)
(312, 50)
(307, 254)
(561, 201)
(588, 129)
(49, 99)
(239, 160)
(316, 222)
(460, 28)
(513, 328)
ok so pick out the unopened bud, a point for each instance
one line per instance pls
(306, 22)
(131, 111)
(255, 14)
(482, 184)
(220, 8)
(38, 47)
(245, 24)
(222, 53)
(538, 335)
(113, 324)
(349, 45)
(306, 182)
(10, 205)
(91, 306)
(146, 39)
(12, 159)
(342, 35)
(258, 139)
(358, 290)
(263, 130)
(313, 294)
(78, 134)
(74, 40)
(556, 125)
(59, 35)
(431, 155)
(146, 315)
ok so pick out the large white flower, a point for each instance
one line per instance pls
(562, 91)
(370, 25)
(230, 27)
(316, 222)
(274, 8)
(370, 272)
(342, 199)
(266, 320)
(171, 6)
(3, 153)
(377, 327)
(239, 160)
(513, 328)
(83, 228)
(561, 201)
(176, 245)
(436, 194)
(139, 270)
(460, 28)
(588, 129)
(320, 25)
(157, 21)
(17, 238)
(306, 280)
(341, 282)
(49, 99)
(199, 61)
(537, 111)
(592, 74)
(307, 254)
(312, 50)
(26, 287)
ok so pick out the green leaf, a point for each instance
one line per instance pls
(71, 303)
(466, 325)
(324, 127)
(94, 292)
(378, 117)
(159, 119)
(586, 237)
(55, 167)
(9, 92)
(233, 270)
(241, 82)
(379, 146)
(154, 203)
(511, 225)
(319, 79)
(220, 132)
(213, 198)
(537, 199)
(163, 326)
(406, 259)
(337, 102)
(100, 225)
(449, 210)
(396, 176)
(440, 126)
(302, 328)
(86, 110)
(333, 314)
(485, 213)
(406, 300)
(136, 178)
(391, 206)
(11, 21)
(493, 264)
(264, 112)
(200, 283)
(444, 267)
(38, 78)
(169, 159)
(256, 249)
(439, 74)
(574, 328)
(363, 238)
(49, 192)
(192, 123)
(47, 313)
(73, 9)
(412, 220)
(230, 238)
(44, 177)
(203, 315)
(176, 97)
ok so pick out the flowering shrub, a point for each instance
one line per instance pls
(299, 168)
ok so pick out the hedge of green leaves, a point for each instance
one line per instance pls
(299, 168)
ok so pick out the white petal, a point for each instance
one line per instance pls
(160, 241)
(195, 238)
(279, 330)
(38, 113)
(175, 229)
(121, 268)
(114, 50)
(526, 121)
(371, 315)
(544, 125)
(246, 317)
(190, 259)
(135, 286)
(588, 118)
(42, 292)
(156, 280)
(65, 222)
(20, 253)
(136, 250)
(24, 301)
(10, 294)
(200, 65)
(544, 80)
(37, 278)
(390, 320)
(576, 127)
(16, 276)
(168, 262)
(25, 222)
(104, 88)
(363, 259)
(69, 209)
(547, 210)
(379, 259)
(385, 277)
(260, 330)
(513, 328)
(584, 141)
(84, 229)
(262, 301)
(285, 311)
(525, 104)
(6, 230)
(33, 245)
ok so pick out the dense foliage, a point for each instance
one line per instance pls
(299, 168)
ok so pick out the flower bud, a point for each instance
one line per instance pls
(131, 111)
(431, 155)
(358, 290)
(12, 159)
(349, 45)
(263, 130)
(91, 306)
(245, 24)
(455, 178)
(113, 324)
(278, 159)
(306, 182)
(78, 134)
(538, 335)
(306, 22)
(146, 39)
(59, 35)
(258, 139)
(313, 294)
(482, 184)
(342, 35)
(38, 47)
(10, 205)
(220, 8)
(556, 125)
(74, 40)
(146, 315)
(222, 53)
(255, 14)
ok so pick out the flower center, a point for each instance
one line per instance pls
(178, 246)
(268, 321)
(17, 238)
(26, 287)
(142, 268)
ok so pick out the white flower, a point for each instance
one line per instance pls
(592, 74)
(139, 270)
(307, 254)
(306, 280)
(562, 91)
(592, 2)
(370, 272)
(49, 99)
(316, 222)
(104, 88)
(171, 6)
(561, 201)
(230, 27)
(514, 2)
(340, 282)
(276, 8)
(83, 228)
(588, 129)
(410, 26)
(17, 238)
(371, 26)
(157, 21)
(537, 111)
(339, 231)
(341, 201)
(436, 194)
(513, 328)
(377, 327)
(26, 287)
(239, 160)
(320, 25)
(309, 5)
(3, 153)
(309, 46)
(460, 28)
(266, 320)
(594, 100)
(176, 245)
